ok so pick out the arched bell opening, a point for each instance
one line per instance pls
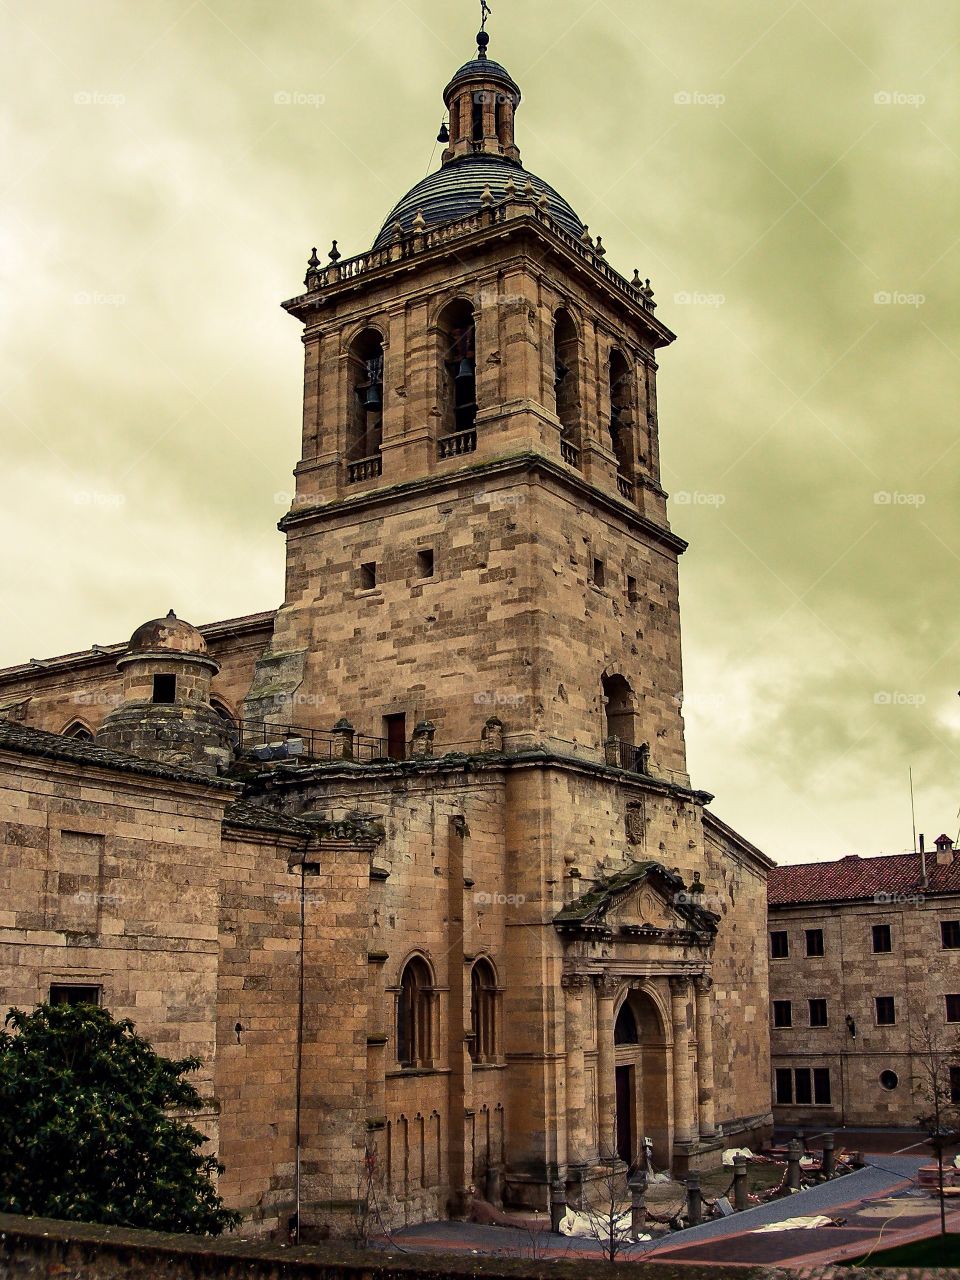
(365, 405)
(566, 366)
(642, 1065)
(458, 379)
(622, 414)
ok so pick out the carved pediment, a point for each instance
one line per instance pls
(646, 903)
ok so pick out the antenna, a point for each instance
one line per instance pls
(913, 812)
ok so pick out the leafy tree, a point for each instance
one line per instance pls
(86, 1133)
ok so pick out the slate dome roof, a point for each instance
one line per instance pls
(454, 191)
(483, 67)
(170, 634)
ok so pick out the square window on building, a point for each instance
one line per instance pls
(950, 934)
(165, 690)
(368, 576)
(803, 1090)
(599, 574)
(881, 938)
(782, 1013)
(886, 1010)
(955, 1084)
(74, 993)
(953, 1008)
(783, 1084)
(814, 942)
(818, 1013)
(821, 1086)
(425, 563)
(779, 944)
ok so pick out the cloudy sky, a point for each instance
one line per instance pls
(786, 172)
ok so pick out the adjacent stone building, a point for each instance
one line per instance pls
(415, 864)
(864, 986)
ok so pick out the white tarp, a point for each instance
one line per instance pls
(736, 1151)
(597, 1226)
(796, 1224)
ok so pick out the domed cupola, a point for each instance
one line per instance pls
(165, 713)
(481, 156)
(482, 99)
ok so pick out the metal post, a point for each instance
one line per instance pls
(794, 1152)
(740, 1201)
(694, 1200)
(827, 1166)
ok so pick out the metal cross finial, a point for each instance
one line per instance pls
(485, 12)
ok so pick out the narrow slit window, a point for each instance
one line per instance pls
(425, 563)
(368, 576)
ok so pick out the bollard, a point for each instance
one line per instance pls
(558, 1205)
(827, 1166)
(638, 1204)
(794, 1152)
(694, 1200)
(740, 1201)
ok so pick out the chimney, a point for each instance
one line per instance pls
(944, 851)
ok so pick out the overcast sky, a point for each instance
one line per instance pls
(786, 172)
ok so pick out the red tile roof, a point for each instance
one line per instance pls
(855, 878)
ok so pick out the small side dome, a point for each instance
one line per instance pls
(167, 635)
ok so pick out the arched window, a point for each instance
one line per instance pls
(620, 715)
(223, 711)
(78, 731)
(483, 1012)
(414, 1021)
(566, 364)
(458, 381)
(365, 407)
(621, 413)
(625, 1030)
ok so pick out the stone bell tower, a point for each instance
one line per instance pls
(479, 526)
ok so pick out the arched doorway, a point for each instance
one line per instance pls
(640, 1051)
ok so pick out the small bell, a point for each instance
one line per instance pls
(444, 134)
(372, 398)
(465, 371)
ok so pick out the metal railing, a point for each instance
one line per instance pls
(291, 742)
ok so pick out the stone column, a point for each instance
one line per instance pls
(703, 986)
(574, 985)
(683, 1085)
(607, 987)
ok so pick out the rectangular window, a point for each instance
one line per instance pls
(368, 576)
(779, 944)
(633, 595)
(73, 993)
(784, 1085)
(782, 1013)
(950, 934)
(886, 1010)
(814, 942)
(804, 1093)
(598, 573)
(818, 1013)
(821, 1085)
(955, 1084)
(165, 689)
(881, 938)
(953, 1008)
(425, 563)
(395, 732)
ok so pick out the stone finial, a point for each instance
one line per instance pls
(312, 278)
(636, 281)
(486, 200)
(529, 192)
(587, 238)
(343, 733)
(511, 189)
(647, 292)
(419, 222)
(421, 743)
(600, 250)
(491, 736)
(398, 230)
(334, 255)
